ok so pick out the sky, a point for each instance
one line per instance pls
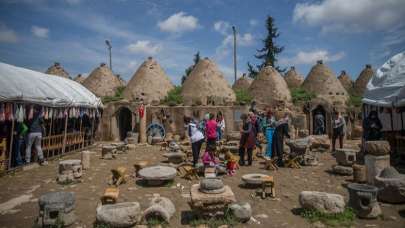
(345, 34)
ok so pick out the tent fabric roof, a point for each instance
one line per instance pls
(387, 86)
(23, 85)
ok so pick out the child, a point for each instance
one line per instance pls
(231, 163)
(211, 130)
(208, 158)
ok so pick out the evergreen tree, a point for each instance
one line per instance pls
(190, 68)
(252, 72)
(268, 54)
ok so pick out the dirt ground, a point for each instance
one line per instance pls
(19, 192)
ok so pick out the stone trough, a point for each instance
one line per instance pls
(157, 175)
(391, 185)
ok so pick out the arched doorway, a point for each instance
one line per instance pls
(319, 120)
(124, 122)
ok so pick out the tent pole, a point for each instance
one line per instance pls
(92, 130)
(10, 157)
(80, 133)
(65, 134)
(49, 135)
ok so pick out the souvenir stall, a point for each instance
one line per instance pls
(385, 94)
(69, 112)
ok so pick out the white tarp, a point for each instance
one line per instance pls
(387, 86)
(23, 85)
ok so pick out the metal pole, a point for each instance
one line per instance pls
(10, 155)
(108, 43)
(234, 51)
(110, 58)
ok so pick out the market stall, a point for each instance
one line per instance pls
(385, 93)
(69, 111)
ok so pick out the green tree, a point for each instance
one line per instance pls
(190, 68)
(268, 54)
(252, 72)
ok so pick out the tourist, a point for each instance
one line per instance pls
(247, 140)
(268, 129)
(280, 131)
(211, 130)
(372, 127)
(256, 129)
(208, 158)
(220, 126)
(35, 137)
(339, 128)
(196, 138)
(20, 133)
(319, 128)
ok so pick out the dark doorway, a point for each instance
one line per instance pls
(124, 122)
(319, 121)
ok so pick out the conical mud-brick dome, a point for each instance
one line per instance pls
(270, 88)
(293, 79)
(102, 82)
(242, 83)
(79, 78)
(323, 82)
(206, 85)
(346, 81)
(123, 82)
(361, 82)
(57, 69)
(149, 83)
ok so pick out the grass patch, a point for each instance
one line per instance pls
(214, 222)
(344, 219)
(117, 96)
(299, 95)
(173, 97)
(153, 222)
(100, 225)
(243, 97)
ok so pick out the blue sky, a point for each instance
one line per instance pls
(346, 34)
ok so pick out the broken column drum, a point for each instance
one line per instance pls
(157, 175)
(85, 156)
(359, 173)
(69, 171)
(56, 208)
(160, 208)
(363, 199)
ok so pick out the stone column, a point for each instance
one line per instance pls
(374, 165)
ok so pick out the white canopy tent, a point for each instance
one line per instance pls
(387, 87)
(23, 85)
(385, 93)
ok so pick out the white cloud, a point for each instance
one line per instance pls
(246, 39)
(40, 31)
(178, 22)
(253, 22)
(222, 27)
(310, 57)
(144, 47)
(351, 16)
(7, 35)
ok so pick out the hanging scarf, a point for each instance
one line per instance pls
(2, 115)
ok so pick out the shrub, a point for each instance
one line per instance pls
(117, 96)
(300, 95)
(355, 101)
(174, 97)
(243, 96)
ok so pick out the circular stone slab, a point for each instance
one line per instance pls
(158, 173)
(254, 178)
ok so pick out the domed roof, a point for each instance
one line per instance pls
(242, 83)
(207, 85)
(270, 88)
(79, 78)
(293, 78)
(323, 82)
(360, 84)
(102, 81)
(57, 69)
(346, 81)
(148, 84)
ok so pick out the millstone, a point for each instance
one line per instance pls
(157, 174)
(212, 185)
(254, 178)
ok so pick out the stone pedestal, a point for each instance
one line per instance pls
(363, 199)
(345, 157)
(85, 156)
(374, 165)
(56, 207)
(206, 203)
(377, 148)
(69, 171)
(157, 175)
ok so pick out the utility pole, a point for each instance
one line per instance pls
(108, 43)
(234, 51)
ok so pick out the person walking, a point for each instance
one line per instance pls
(339, 128)
(280, 132)
(220, 126)
(372, 127)
(247, 140)
(196, 138)
(35, 137)
(211, 130)
(319, 123)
